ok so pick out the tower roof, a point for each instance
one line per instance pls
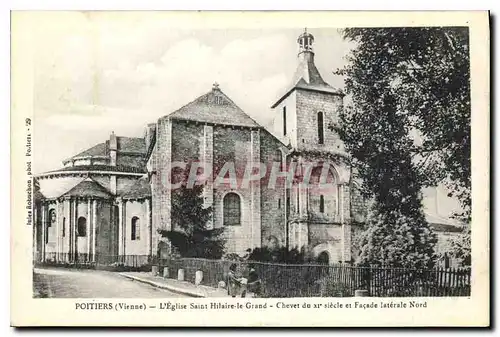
(214, 107)
(307, 76)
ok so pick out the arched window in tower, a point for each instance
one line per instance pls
(82, 226)
(232, 210)
(321, 204)
(135, 231)
(321, 135)
(278, 157)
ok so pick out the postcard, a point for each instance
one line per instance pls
(250, 168)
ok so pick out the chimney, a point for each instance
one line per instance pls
(113, 147)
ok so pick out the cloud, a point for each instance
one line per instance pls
(101, 75)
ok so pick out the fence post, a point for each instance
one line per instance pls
(198, 277)
(361, 293)
(180, 275)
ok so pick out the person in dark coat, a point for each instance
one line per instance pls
(233, 281)
(254, 283)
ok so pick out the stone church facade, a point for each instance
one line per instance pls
(111, 199)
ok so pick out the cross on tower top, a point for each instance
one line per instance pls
(215, 86)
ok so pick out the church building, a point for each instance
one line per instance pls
(110, 200)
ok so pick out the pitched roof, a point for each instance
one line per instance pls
(88, 188)
(96, 150)
(214, 107)
(130, 145)
(139, 189)
(93, 168)
(307, 77)
(136, 145)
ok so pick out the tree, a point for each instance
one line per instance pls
(408, 127)
(461, 247)
(190, 234)
(428, 71)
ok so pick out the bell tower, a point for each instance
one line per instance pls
(319, 195)
(308, 106)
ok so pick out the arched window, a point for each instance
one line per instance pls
(232, 210)
(51, 221)
(52, 218)
(278, 157)
(323, 258)
(321, 204)
(82, 226)
(136, 229)
(321, 136)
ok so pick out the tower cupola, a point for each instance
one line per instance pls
(305, 41)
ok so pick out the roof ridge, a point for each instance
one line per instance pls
(206, 109)
(87, 179)
(187, 104)
(236, 105)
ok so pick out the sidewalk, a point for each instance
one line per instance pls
(180, 287)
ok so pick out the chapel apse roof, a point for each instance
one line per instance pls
(214, 107)
(88, 188)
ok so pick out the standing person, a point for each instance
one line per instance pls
(254, 283)
(233, 282)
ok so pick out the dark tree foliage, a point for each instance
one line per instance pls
(408, 127)
(190, 235)
(280, 255)
(426, 72)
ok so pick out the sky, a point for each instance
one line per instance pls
(95, 73)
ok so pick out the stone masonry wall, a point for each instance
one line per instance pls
(233, 145)
(272, 196)
(309, 103)
(140, 246)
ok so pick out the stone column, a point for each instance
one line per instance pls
(44, 231)
(112, 184)
(67, 238)
(164, 153)
(89, 229)
(345, 222)
(75, 228)
(58, 230)
(255, 190)
(148, 226)
(120, 228)
(208, 160)
(125, 233)
(94, 228)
